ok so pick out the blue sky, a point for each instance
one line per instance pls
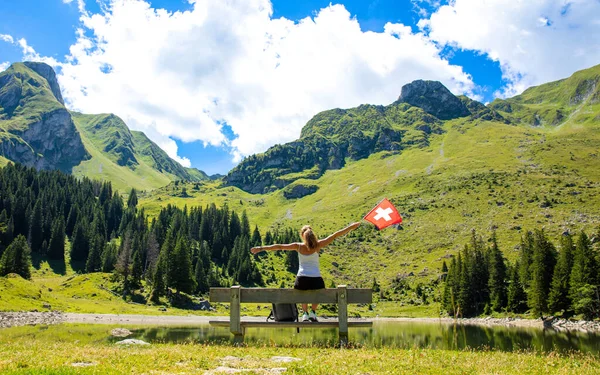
(49, 27)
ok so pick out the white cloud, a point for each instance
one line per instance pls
(534, 41)
(28, 52)
(4, 66)
(7, 38)
(80, 4)
(180, 75)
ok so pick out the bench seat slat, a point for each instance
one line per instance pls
(333, 324)
(274, 295)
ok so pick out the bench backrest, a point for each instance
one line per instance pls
(272, 295)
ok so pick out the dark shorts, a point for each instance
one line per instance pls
(309, 283)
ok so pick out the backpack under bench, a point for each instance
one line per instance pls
(341, 296)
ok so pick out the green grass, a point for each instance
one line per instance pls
(58, 349)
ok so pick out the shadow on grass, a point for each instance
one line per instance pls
(57, 266)
(78, 266)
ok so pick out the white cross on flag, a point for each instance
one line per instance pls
(384, 215)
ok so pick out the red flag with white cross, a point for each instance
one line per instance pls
(384, 215)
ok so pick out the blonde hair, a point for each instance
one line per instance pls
(309, 237)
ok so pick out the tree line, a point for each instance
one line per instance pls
(543, 280)
(187, 250)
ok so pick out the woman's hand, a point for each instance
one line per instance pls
(256, 250)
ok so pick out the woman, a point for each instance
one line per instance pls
(309, 274)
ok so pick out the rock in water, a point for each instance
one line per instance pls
(120, 332)
(132, 342)
(434, 98)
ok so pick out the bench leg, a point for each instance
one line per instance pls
(343, 339)
(238, 339)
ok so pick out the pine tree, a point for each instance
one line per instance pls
(36, 222)
(181, 277)
(56, 249)
(124, 262)
(559, 300)
(256, 238)
(201, 278)
(94, 260)
(137, 270)
(497, 279)
(152, 251)
(268, 238)
(464, 298)
(517, 298)
(159, 287)
(109, 257)
(16, 259)
(542, 268)
(72, 219)
(245, 224)
(80, 243)
(132, 201)
(451, 287)
(584, 279)
(291, 261)
(526, 258)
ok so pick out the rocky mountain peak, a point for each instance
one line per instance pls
(46, 72)
(434, 98)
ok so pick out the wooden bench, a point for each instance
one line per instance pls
(341, 296)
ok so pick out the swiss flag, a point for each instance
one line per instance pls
(384, 215)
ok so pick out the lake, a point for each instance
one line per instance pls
(392, 334)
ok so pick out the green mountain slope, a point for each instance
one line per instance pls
(127, 159)
(37, 130)
(554, 103)
(332, 137)
(480, 172)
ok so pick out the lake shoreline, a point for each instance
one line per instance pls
(12, 319)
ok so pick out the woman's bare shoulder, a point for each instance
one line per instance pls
(304, 250)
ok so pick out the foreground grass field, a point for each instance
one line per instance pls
(78, 349)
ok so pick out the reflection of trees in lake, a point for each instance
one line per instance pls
(393, 334)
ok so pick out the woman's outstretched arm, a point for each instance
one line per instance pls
(288, 246)
(339, 233)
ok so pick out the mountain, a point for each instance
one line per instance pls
(554, 103)
(35, 127)
(126, 158)
(487, 171)
(37, 130)
(332, 137)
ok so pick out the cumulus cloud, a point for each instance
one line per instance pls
(534, 41)
(4, 66)
(181, 75)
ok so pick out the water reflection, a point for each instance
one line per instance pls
(393, 334)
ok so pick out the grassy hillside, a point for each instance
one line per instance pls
(556, 103)
(127, 159)
(480, 175)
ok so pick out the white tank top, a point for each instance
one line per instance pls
(309, 265)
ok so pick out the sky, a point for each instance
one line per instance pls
(214, 81)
